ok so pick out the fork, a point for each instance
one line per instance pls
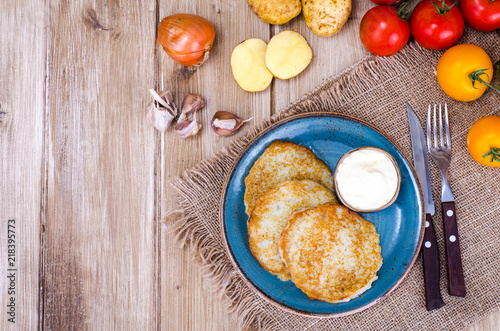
(441, 155)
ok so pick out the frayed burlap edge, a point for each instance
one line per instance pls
(206, 251)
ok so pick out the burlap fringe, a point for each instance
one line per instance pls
(218, 273)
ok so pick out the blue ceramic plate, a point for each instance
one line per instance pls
(329, 136)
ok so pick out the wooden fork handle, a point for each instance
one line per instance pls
(452, 244)
(430, 259)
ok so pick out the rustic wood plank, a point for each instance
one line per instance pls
(490, 323)
(99, 267)
(185, 305)
(22, 113)
(185, 308)
(100, 256)
(331, 55)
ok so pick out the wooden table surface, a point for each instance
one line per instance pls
(84, 177)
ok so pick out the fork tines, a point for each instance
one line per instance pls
(446, 124)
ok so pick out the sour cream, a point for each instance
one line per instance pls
(367, 179)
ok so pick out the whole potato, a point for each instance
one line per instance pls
(275, 11)
(326, 17)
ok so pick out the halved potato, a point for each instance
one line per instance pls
(275, 11)
(326, 17)
(287, 54)
(249, 67)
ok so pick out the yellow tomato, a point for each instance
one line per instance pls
(483, 141)
(454, 68)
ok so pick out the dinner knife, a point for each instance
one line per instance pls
(430, 253)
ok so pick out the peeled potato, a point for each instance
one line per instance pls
(249, 67)
(275, 11)
(287, 54)
(326, 17)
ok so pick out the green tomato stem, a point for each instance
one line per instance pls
(403, 11)
(476, 76)
(444, 7)
(494, 154)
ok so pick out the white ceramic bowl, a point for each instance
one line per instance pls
(346, 203)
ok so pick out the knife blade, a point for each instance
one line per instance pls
(430, 253)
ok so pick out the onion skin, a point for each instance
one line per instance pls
(186, 38)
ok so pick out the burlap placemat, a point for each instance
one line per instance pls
(374, 90)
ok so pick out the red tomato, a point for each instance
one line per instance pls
(383, 32)
(482, 15)
(387, 2)
(436, 24)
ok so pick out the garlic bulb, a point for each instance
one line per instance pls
(225, 123)
(161, 111)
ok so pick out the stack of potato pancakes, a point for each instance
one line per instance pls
(298, 230)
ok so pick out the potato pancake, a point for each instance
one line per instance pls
(331, 252)
(283, 160)
(271, 214)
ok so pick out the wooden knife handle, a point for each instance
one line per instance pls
(452, 244)
(430, 259)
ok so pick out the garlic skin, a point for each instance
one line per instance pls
(161, 112)
(225, 123)
(158, 118)
(191, 103)
(164, 99)
(187, 129)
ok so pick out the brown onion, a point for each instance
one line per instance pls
(186, 38)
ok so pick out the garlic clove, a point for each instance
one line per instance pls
(192, 102)
(159, 117)
(225, 123)
(187, 129)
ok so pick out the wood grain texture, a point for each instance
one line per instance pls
(429, 253)
(22, 112)
(185, 305)
(182, 306)
(455, 272)
(331, 56)
(100, 253)
(87, 179)
(490, 323)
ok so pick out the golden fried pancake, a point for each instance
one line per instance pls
(332, 253)
(271, 214)
(283, 160)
